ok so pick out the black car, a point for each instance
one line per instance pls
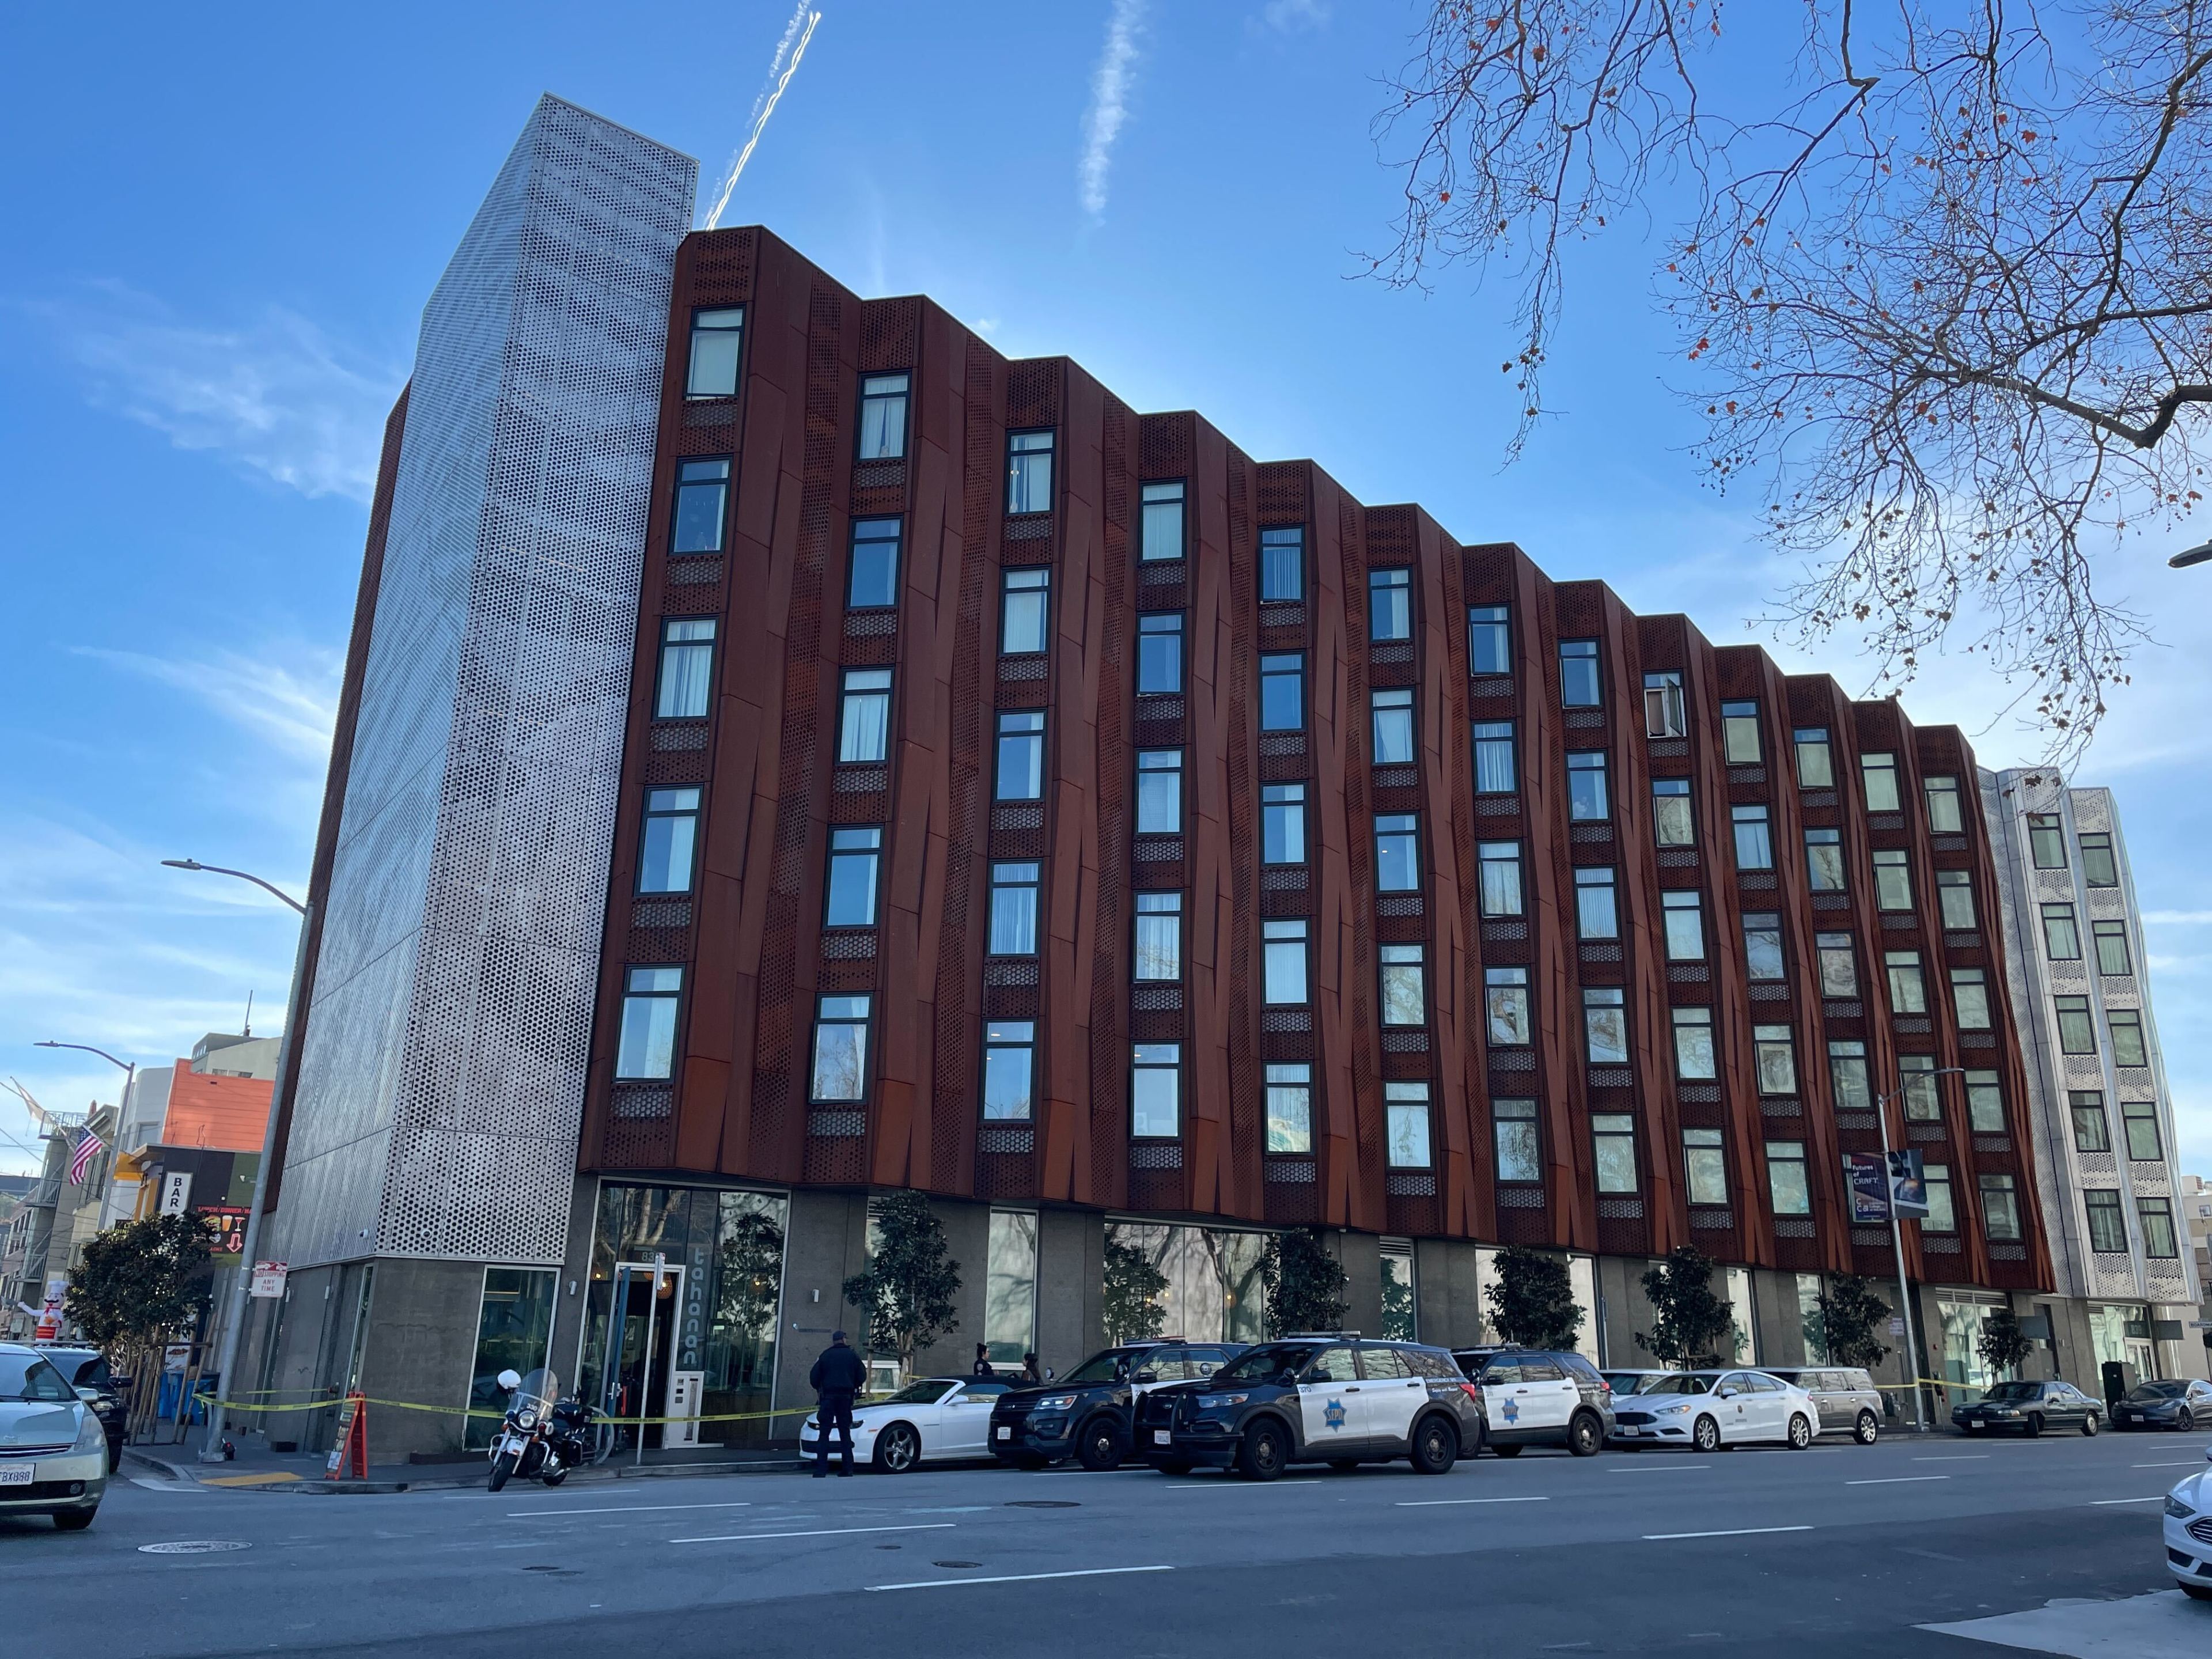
(1085, 1414)
(2184, 1405)
(87, 1368)
(1538, 1397)
(1329, 1399)
(2030, 1408)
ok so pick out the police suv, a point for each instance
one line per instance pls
(1326, 1397)
(1085, 1414)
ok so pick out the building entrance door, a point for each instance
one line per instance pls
(648, 1300)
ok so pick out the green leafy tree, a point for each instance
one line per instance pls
(1533, 1304)
(1688, 1319)
(1397, 1308)
(1132, 1310)
(142, 1284)
(2003, 1345)
(1850, 1313)
(1305, 1283)
(907, 1289)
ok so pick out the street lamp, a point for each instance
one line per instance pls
(1897, 1244)
(286, 1046)
(2188, 556)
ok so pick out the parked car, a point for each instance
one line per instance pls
(1845, 1395)
(1330, 1399)
(2185, 1404)
(2189, 1534)
(2031, 1407)
(1711, 1409)
(84, 1369)
(53, 1447)
(1087, 1415)
(931, 1419)
(1538, 1397)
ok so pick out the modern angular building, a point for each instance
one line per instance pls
(790, 752)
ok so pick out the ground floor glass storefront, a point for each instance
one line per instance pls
(1214, 1291)
(2120, 1331)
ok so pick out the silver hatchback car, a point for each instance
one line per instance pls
(53, 1451)
(1849, 1401)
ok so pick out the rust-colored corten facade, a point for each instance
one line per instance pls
(1458, 993)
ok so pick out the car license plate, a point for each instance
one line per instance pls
(1006, 1432)
(1162, 1437)
(16, 1475)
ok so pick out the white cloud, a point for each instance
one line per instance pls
(1287, 16)
(1109, 103)
(2179, 918)
(293, 711)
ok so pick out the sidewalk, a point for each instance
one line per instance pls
(256, 1468)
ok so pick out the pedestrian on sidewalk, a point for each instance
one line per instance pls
(983, 1360)
(837, 1377)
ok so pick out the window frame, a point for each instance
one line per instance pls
(1740, 719)
(1488, 738)
(1665, 714)
(1003, 730)
(1297, 540)
(2047, 833)
(858, 540)
(1665, 794)
(2085, 1107)
(1278, 942)
(1943, 787)
(2063, 916)
(1392, 962)
(1597, 900)
(1879, 782)
(1171, 1068)
(2160, 1243)
(1573, 651)
(1688, 1020)
(691, 351)
(1783, 1157)
(649, 815)
(1401, 1105)
(2143, 1114)
(997, 884)
(1272, 666)
(1945, 887)
(1153, 904)
(871, 852)
(1149, 767)
(1612, 1136)
(1771, 923)
(2114, 930)
(1704, 1165)
(1518, 1110)
(2077, 1019)
(1833, 838)
(704, 644)
(1803, 739)
(1270, 804)
(2105, 861)
(1971, 1009)
(1401, 705)
(1504, 989)
(2135, 1050)
(1597, 1001)
(1020, 469)
(1411, 832)
(1484, 857)
(824, 1021)
(1768, 1040)
(2106, 1221)
(1398, 580)
(682, 488)
(650, 997)
(855, 687)
(1145, 502)
(1893, 880)
(1994, 1184)
(1489, 616)
(1585, 764)
(993, 1045)
(1300, 1140)
(1153, 628)
(875, 400)
(1674, 904)
(1022, 581)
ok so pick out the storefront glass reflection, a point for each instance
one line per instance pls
(1214, 1293)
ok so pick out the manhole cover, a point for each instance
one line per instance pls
(194, 1546)
(955, 1563)
(1042, 1503)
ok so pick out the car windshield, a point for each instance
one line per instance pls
(1110, 1366)
(926, 1392)
(2012, 1391)
(1635, 1381)
(1258, 1364)
(1679, 1383)
(2159, 1391)
(26, 1377)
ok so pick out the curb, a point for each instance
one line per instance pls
(187, 1474)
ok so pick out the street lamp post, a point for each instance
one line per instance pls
(1897, 1244)
(287, 1047)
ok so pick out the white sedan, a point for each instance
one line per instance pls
(933, 1418)
(1711, 1409)
(2189, 1534)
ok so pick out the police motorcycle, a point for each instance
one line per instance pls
(543, 1436)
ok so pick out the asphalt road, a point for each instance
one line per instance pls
(1838, 1550)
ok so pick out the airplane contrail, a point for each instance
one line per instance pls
(801, 27)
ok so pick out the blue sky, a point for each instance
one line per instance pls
(222, 227)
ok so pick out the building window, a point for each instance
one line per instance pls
(872, 577)
(2077, 1031)
(841, 1049)
(1922, 1102)
(1704, 1166)
(1162, 511)
(2093, 1131)
(2139, 1122)
(647, 1049)
(1942, 1218)
(1389, 604)
(1847, 1076)
(1159, 937)
(1694, 1060)
(1586, 797)
(1405, 1124)
(1405, 1000)
(2108, 1227)
(853, 858)
(1513, 1127)
(1605, 1025)
(1024, 602)
(1685, 925)
(1954, 892)
(1159, 792)
(1673, 824)
(1824, 861)
(2128, 1046)
(2156, 1215)
(1159, 654)
(1489, 640)
(714, 338)
(702, 490)
(1839, 975)
(1155, 1091)
(1941, 794)
(1393, 728)
(1776, 1057)
(1009, 1071)
(1500, 864)
(1578, 681)
(1029, 472)
(1505, 1006)
(1878, 773)
(1613, 1145)
(1397, 854)
(1493, 758)
(1893, 879)
(1908, 992)
(2099, 867)
(2111, 938)
(2061, 940)
(882, 416)
(1762, 945)
(1290, 1109)
(1970, 999)
(687, 668)
(1815, 768)
(1283, 823)
(1754, 840)
(1739, 733)
(666, 843)
(1985, 1103)
(2046, 841)
(1283, 563)
(863, 717)
(1282, 691)
(1662, 705)
(1283, 960)
(1786, 1186)
(2000, 1209)
(1014, 910)
(1021, 758)
(1597, 914)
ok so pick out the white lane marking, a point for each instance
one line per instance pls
(1896, 1479)
(627, 1508)
(1016, 1577)
(1638, 1468)
(1728, 1532)
(1956, 1457)
(1236, 1486)
(1446, 1503)
(820, 1532)
(2107, 1503)
(165, 1485)
(2186, 1463)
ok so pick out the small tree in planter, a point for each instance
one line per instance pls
(1305, 1284)
(142, 1284)
(1533, 1304)
(1850, 1313)
(1689, 1320)
(2003, 1345)
(907, 1289)
(1132, 1286)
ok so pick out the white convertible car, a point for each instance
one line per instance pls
(930, 1419)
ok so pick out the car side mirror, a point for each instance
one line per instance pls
(1727, 1393)
(1145, 1377)
(90, 1396)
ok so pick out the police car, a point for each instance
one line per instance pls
(1085, 1414)
(1327, 1397)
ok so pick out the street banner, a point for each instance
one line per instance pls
(176, 1191)
(1908, 1185)
(1869, 1184)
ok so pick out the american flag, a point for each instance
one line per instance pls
(89, 1145)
